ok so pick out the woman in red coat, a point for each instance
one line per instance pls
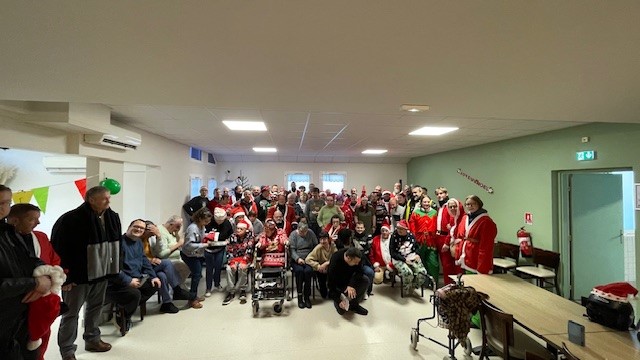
(478, 233)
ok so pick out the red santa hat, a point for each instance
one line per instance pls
(243, 224)
(615, 291)
(238, 211)
(386, 192)
(385, 225)
(402, 224)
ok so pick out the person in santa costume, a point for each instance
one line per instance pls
(443, 226)
(380, 255)
(478, 233)
(454, 246)
(245, 204)
(42, 312)
(422, 224)
(333, 228)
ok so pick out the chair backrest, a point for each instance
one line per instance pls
(567, 354)
(506, 250)
(497, 328)
(533, 356)
(546, 258)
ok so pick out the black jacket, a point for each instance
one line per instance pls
(340, 274)
(89, 254)
(16, 280)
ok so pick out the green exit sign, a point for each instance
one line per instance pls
(587, 155)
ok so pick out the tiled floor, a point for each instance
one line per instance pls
(227, 332)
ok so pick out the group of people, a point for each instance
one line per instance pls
(347, 241)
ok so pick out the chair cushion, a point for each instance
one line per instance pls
(504, 263)
(536, 271)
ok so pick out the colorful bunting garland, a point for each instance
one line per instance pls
(41, 194)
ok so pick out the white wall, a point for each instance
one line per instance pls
(359, 174)
(163, 188)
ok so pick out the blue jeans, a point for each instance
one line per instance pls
(195, 265)
(214, 267)
(368, 271)
(169, 278)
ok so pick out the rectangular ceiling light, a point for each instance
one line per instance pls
(238, 125)
(264, 149)
(374, 151)
(432, 130)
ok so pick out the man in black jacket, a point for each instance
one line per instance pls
(18, 287)
(197, 202)
(88, 242)
(346, 281)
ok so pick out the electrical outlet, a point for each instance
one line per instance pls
(585, 139)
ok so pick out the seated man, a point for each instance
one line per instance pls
(302, 241)
(380, 255)
(347, 282)
(239, 256)
(137, 281)
(319, 258)
(166, 244)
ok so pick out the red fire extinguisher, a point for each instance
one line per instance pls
(524, 238)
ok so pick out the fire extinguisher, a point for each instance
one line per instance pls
(524, 238)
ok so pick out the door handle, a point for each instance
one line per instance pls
(621, 237)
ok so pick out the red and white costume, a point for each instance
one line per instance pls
(443, 226)
(478, 235)
(380, 253)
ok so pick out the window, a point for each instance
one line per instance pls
(195, 185)
(211, 159)
(333, 181)
(195, 153)
(300, 178)
(212, 184)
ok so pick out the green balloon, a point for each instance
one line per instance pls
(111, 184)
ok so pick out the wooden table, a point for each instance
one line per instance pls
(611, 345)
(546, 315)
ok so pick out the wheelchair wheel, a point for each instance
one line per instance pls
(277, 307)
(414, 339)
(256, 307)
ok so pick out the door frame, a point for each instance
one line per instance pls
(561, 213)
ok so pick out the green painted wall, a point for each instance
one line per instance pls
(520, 172)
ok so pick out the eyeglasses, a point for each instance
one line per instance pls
(139, 227)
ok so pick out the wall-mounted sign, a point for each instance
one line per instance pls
(586, 155)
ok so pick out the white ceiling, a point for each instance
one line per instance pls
(328, 78)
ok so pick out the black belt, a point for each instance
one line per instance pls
(442, 232)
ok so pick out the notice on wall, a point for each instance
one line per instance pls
(528, 218)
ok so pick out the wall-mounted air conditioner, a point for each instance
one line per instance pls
(116, 138)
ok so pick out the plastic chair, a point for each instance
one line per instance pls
(505, 257)
(545, 270)
(498, 333)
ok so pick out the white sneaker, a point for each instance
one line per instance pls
(207, 294)
(366, 296)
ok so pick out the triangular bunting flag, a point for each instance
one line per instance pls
(22, 197)
(42, 196)
(82, 186)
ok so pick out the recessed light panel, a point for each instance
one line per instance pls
(374, 151)
(432, 130)
(238, 125)
(414, 108)
(265, 149)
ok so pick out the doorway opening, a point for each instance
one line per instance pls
(596, 228)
